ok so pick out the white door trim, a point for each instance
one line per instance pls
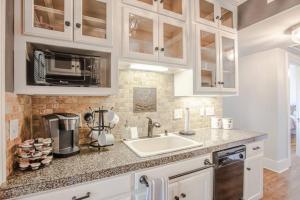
(2, 93)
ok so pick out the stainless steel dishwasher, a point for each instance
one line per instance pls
(229, 173)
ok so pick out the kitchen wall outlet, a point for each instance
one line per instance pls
(178, 114)
(202, 111)
(210, 111)
(13, 129)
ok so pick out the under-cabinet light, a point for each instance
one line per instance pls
(145, 67)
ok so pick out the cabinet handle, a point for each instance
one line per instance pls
(183, 195)
(176, 197)
(156, 48)
(144, 180)
(248, 168)
(78, 25)
(67, 23)
(88, 195)
(256, 148)
(162, 49)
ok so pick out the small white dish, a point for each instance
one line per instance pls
(35, 166)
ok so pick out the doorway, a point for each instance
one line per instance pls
(294, 105)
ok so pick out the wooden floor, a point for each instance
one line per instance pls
(285, 186)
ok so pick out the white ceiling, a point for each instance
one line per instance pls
(269, 33)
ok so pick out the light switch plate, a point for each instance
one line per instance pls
(202, 111)
(13, 129)
(178, 114)
(210, 111)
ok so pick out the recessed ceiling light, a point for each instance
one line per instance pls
(296, 35)
(145, 67)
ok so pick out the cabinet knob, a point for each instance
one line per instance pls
(162, 49)
(176, 197)
(156, 48)
(217, 17)
(183, 195)
(248, 168)
(207, 162)
(67, 23)
(78, 25)
(161, 1)
(256, 148)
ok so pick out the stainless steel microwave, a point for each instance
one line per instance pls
(67, 67)
(64, 64)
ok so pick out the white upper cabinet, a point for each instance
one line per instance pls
(218, 14)
(86, 21)
(93, 21)
(207, 67)
(228, 62)
(140, 34)
(216, 60)
(172, 40)
(172, 8)
(53, 19)
(152, 37)
(206, 12)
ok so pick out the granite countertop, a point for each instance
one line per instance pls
(91, 165)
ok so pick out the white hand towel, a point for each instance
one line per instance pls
(165, 187)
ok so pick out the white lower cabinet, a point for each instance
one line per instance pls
(191, 180)
(193, 187)
(253, 173)
(118, 188)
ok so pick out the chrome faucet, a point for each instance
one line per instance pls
(151, 125)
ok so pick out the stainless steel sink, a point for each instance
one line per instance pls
(159, 145)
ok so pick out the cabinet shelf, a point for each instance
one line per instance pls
(48, 10)
(93, 20)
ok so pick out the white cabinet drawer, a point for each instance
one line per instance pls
(254, 149)
(109, 189)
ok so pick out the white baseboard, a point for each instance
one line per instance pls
(277, 166)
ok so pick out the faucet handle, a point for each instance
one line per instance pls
(150, 120)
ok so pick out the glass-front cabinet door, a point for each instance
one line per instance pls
(207, 59)
(52, 19)
(140, 39)
(173, 8)
(227, 15)
(93, 21)
(206, 12)
(228, 46)
(173, 40)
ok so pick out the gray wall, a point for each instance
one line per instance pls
(253, 11)
(9, 47)
(262, 104)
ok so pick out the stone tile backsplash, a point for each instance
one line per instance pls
(30, 109)
(16, 107)
(123, 105)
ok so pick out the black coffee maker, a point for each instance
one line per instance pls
(63, 128)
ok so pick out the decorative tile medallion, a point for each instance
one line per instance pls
(144, 100)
